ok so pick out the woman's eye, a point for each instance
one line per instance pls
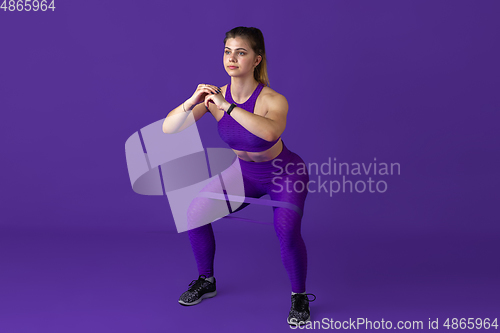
(240, 53)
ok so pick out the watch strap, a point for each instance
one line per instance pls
(230, 108)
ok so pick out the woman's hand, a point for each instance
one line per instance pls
(218, 100)
(202, 91)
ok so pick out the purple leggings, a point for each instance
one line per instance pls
(258, 181)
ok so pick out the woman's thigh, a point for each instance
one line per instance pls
(291, 185)
(211, 203)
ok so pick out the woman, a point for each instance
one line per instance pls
(251, 118)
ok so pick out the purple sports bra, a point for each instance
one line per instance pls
(235, 135)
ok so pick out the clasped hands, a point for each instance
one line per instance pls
(218, 100)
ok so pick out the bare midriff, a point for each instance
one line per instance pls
(261, 156)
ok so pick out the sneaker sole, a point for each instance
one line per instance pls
(207, 295)
(300, 323)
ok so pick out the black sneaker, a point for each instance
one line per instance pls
(198, 290)
(300, 312)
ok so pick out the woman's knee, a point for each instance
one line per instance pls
(287, 227)
(203, 210)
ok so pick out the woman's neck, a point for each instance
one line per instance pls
(242, 88)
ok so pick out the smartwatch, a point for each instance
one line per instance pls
(230, 108)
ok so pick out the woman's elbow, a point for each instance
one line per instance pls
(167, 128)
(272, 136)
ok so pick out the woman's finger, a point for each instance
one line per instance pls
(209, 88)
(213, 88)
(207, 99)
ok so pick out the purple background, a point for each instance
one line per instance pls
(409, 82)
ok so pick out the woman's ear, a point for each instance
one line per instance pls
(258, 60)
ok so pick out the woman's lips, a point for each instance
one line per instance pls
(232, 67)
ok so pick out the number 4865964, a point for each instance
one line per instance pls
(27, 5)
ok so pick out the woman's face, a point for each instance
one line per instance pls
(239, 58)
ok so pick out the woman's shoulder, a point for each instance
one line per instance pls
(270, 95)
(266, 90)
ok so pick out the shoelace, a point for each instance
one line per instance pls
(305, 295)
(300, 301)
(196, 285)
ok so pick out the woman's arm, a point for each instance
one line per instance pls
(182, 116)
(177, 120)
(271, 126)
